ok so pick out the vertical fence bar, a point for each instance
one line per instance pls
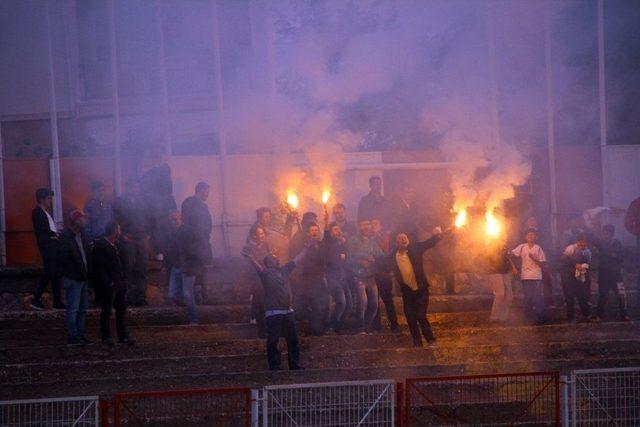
(399, 404)
(564, 385)
(104, 412)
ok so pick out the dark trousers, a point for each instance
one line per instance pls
(50, 273)
(575, 289)
(385, 291)
(282, 325)
(113, 298)
(547, 286)
(316, 300)
(415, 309)
(338, 288)
(135, 256)
(607, 284)
(257, 308)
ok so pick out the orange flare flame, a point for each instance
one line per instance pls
(461, 218)
(292, 200)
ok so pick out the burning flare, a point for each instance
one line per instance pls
(492, 226)
(461, 218)
(292, 200)
(326, 194)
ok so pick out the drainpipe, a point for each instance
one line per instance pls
(602, 94)
(221, 128)
(551, 147)
(115, 98)
(54, 162)
(3, 223)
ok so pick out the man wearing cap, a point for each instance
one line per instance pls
(46, 233)
(75, 267)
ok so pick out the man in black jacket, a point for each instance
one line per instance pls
(109, 279)
(75, 266)
(278, 308)
(406, 264)
(130, 213)
(195, 214)
(47, 237)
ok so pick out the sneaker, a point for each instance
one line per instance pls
(432, 342)
(396, 330)
(76, 342)
(417, 344)
(59, 306)
(625, 318)
(276, 368)
(296, 368)
(127, 340)
(36, 304)
(108, 342)
(597, 319)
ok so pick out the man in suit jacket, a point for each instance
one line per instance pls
(405, 262)
(75, 266)
(196, 215)
(47, 237)
(108, 275)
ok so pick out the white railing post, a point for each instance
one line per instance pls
(564, 400)
(255, 407)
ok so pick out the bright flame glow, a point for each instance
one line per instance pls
(292, 200)
(461, 218)
(493, 226)
(326, 194)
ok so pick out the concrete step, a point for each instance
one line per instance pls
(223, 339)
(55, 333)
(124, 382)
(323, 357)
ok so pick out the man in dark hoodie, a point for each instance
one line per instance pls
(406, 264)
(109, 279)
(610, 255)
(75, 266)
(278, 308)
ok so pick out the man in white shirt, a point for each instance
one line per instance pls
(532, 258)
(406, 265)
(46, 233)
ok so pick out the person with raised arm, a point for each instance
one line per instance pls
(278, 306)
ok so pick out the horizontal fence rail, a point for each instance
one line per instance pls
(605, 397)
(484, 400)
(197, 407)
(68, 411)
(351, 403)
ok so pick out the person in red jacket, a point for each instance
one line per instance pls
(632, 224)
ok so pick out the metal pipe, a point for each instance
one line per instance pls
(54, 162)
(602, 94)
(222, 139)
(491, 41)
(564, 401)
(166, 122)
(390, 166)
(551, 148)
(115, 98)
(3, 221)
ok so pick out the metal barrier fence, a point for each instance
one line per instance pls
(605, 397)
(351, 403)
(69, 411)
(197, 407)
(483, 400)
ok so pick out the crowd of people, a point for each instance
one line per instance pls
(325, 275)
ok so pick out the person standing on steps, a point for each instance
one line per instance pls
(405, 262)
(195, 214)
(576, 277)
(46, 233)
(531, 259)
(108, 275)
(258, 248)
(278, 306)
(610, 255)
(75, 267)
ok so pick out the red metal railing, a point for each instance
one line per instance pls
(504, 399)
(212, 406)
